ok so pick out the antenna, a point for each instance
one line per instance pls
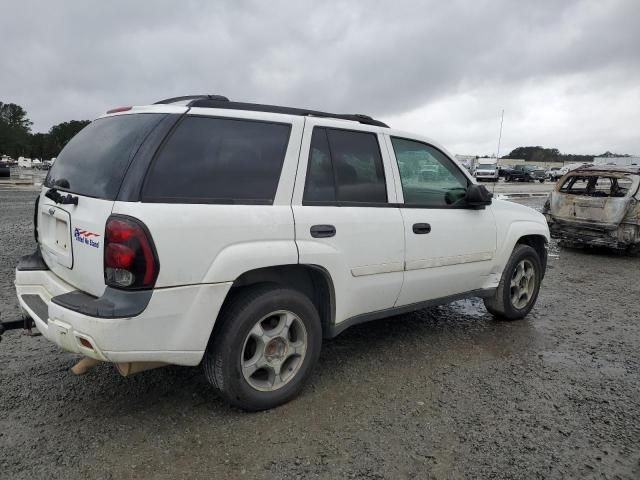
(498, 151)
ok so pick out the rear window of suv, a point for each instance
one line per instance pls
(345, 166)
(219, 160)
(94, 162)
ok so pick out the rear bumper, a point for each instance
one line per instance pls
(586, 234)
(173, 328)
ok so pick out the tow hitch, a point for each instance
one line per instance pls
(26, 324)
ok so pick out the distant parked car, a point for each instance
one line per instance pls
(428, 173)
(524, 173)
(597, 206)
(572, 166)
(553, 173)
(4, 170)
(503, 169)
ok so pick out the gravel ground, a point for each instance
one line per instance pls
(442, 393)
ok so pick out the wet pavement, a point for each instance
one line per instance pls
(447, 392)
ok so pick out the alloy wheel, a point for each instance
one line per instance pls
(274, 351)
(523, 284)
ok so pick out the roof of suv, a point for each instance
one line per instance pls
(630, 169)
(219, 101)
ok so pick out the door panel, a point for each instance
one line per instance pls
(448, 250)
(454, 257)
(364, 257)
(365, 253)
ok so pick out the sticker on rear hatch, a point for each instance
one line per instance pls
(85, 236)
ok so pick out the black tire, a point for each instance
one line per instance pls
(507, 178)
(634, 250)
(542, 180)
(500, 304)
(222, 360)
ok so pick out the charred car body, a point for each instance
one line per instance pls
(597, 206)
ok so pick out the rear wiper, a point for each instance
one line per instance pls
(57, 197)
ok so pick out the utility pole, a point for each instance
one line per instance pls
(500, 136)
(498, 152)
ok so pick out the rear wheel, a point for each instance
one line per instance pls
(264, 349)
(507, 178)
(518, 289)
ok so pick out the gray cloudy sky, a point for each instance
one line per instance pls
(566, 72)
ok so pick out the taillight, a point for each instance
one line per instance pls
(130, 259)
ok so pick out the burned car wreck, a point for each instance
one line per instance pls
(597, 206)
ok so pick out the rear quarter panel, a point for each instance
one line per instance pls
(215, 243)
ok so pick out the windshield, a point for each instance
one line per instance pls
(94, 162)
(487, 166)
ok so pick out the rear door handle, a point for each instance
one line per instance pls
(421, 228)
(323, 231)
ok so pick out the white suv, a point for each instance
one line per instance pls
(200, 230)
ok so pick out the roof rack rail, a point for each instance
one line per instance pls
(257, 107)
(166, 101)
(220, 101)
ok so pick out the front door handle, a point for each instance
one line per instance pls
(323, 231)
(421, 228)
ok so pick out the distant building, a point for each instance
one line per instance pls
(511, 161)
(622, 161)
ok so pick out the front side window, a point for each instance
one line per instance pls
(219, 160)
(428, 177)
(345, 166)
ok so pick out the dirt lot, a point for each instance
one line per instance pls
(443, 393)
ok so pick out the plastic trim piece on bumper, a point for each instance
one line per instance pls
(113, 303)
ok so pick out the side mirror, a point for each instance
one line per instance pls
(477, 196)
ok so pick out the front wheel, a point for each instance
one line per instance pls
(264, 348)
(542, 180)
(507, 178)
(518, 289)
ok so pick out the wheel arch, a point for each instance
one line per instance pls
(540, 244)
(311, 280)
(514, 232)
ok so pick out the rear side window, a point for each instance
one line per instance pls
(345, 166)
(219, 160)
(597, 186)
(94, 162)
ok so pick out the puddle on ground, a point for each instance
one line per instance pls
(472, 307)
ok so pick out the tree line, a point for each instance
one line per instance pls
(17, 140)
(541, 154)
